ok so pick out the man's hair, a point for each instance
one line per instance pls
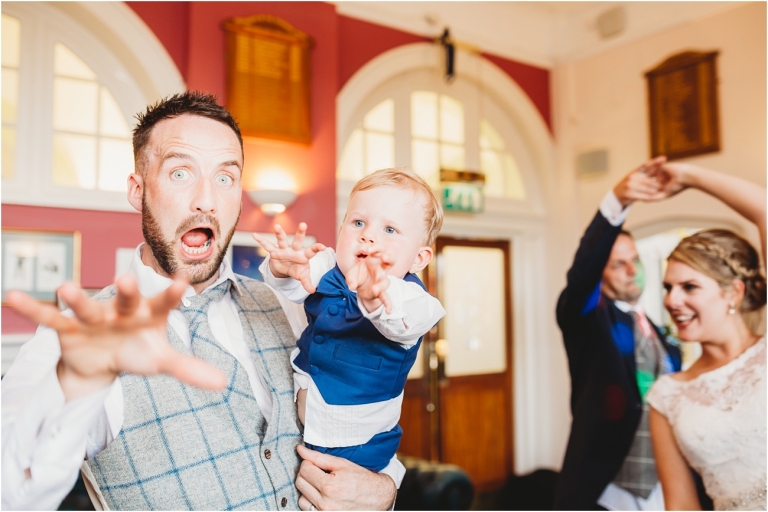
(406, 178)
(193, 103)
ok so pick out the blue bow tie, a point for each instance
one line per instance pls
(333, 284)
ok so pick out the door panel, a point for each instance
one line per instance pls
(458, 407)
(472, 290)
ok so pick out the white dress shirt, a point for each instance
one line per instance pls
(45, 438)
(414, 312)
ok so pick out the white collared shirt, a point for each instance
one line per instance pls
(49, 437)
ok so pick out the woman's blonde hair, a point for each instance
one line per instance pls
(725, 256)
(406, 178)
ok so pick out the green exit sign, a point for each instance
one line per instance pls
(463, 197)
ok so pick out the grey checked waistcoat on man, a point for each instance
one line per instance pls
(638, 471)
(181, 447)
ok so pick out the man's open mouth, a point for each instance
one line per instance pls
(197, 241)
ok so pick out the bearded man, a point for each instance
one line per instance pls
(614, 355)
(188, 408)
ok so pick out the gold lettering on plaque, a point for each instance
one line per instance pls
(683, 106)
(268, 78)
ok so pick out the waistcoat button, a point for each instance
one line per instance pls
(267, 454)
(283, 502)
(313, 370)
(319, 339)
(333, 309)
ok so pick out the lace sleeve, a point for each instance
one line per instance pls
(658, 396)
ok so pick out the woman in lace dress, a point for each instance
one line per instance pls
(712, 416)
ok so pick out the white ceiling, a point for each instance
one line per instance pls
(540, 33)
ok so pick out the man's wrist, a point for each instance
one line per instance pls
(74, 385)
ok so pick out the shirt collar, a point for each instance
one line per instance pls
(151, 283)
(626, 307)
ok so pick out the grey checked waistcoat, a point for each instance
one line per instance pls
(181, 447)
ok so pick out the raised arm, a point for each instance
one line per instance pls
(105, 338)
(747, 198)
(53, 410)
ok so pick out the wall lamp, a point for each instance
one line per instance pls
(272, 201)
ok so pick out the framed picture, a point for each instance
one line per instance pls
(38, 262)
(245, 254)
(682, 103)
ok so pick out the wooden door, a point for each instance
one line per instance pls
(458, 407)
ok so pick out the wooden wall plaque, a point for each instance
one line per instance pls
(682, 101)
(268, 78)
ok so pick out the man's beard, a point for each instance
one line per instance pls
(164, 250)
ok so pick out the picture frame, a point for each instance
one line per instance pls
(37, 262)
(683, 106)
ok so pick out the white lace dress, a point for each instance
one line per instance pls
(719, 422)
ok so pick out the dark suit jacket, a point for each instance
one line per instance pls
(605, 399)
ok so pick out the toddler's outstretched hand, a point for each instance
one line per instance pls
(370, 280)
(290, 260)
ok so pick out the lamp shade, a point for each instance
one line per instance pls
(272, 201)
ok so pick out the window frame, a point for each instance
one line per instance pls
(41, 27)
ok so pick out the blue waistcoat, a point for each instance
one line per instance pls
(350, 361)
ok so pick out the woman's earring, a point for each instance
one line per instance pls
(731, 308)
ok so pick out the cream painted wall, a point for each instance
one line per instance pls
(600, 102)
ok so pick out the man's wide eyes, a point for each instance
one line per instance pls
(358, 223)
(179, 174)
(223, 179)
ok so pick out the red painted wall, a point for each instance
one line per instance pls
(102, 233)
(170, 23)
(361, 41)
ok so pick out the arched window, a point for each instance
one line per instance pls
(68, 105)
(428, 129)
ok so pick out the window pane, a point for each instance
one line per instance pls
(451, 120)
(452, 157)
(112, 121)
(74, 161)
(425, 161)
(515, 187)
(10, 94)
(493, 168)
(489, 137)
(9, 152)
(74, 105)
(379, 151)
(11, 41)
(381, 117)
(115, 164)
(424, 114)
(66, 63)
(351, 163)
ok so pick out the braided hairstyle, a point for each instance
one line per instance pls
(725, 256)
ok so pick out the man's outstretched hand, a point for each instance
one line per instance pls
(125, 334)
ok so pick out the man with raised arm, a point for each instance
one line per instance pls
(174, 385)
